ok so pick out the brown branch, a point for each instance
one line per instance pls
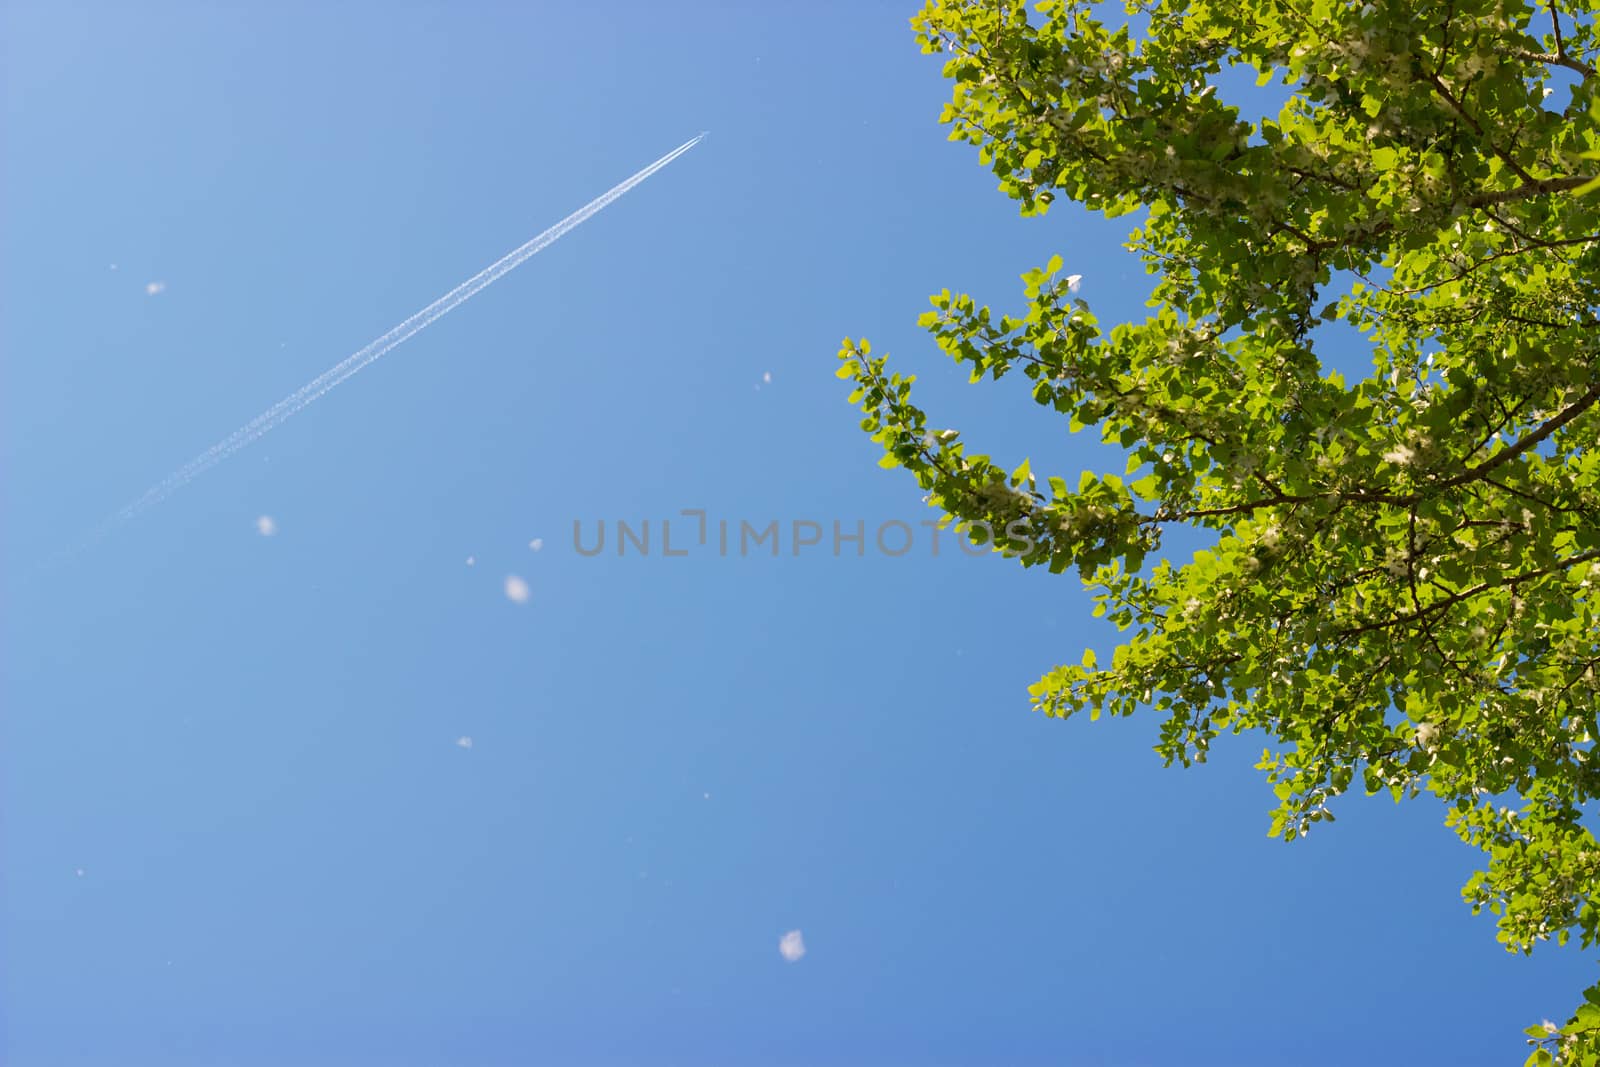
(1550, 504)
(1572, 411)
(1532, 187)
(1366, 496)
(1444, 90)
(1561, 46)
(1532, 243)
(1556, 58)
(1466, 594)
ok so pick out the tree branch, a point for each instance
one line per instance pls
(1448, 602)
(1558, 59)
(1572, 411)
(1531, 187)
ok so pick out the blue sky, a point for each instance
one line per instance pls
(239, 824)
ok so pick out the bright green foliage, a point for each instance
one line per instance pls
(1401, 590)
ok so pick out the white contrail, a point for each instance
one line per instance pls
(323, 383)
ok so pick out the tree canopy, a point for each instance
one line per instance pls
(1398, 591)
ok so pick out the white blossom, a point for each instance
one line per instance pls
(1400, 455)
(791, 946)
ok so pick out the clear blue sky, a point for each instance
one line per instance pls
(239, 827)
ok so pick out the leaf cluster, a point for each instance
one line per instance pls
(1399, 586)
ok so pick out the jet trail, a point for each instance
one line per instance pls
(322, 384)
